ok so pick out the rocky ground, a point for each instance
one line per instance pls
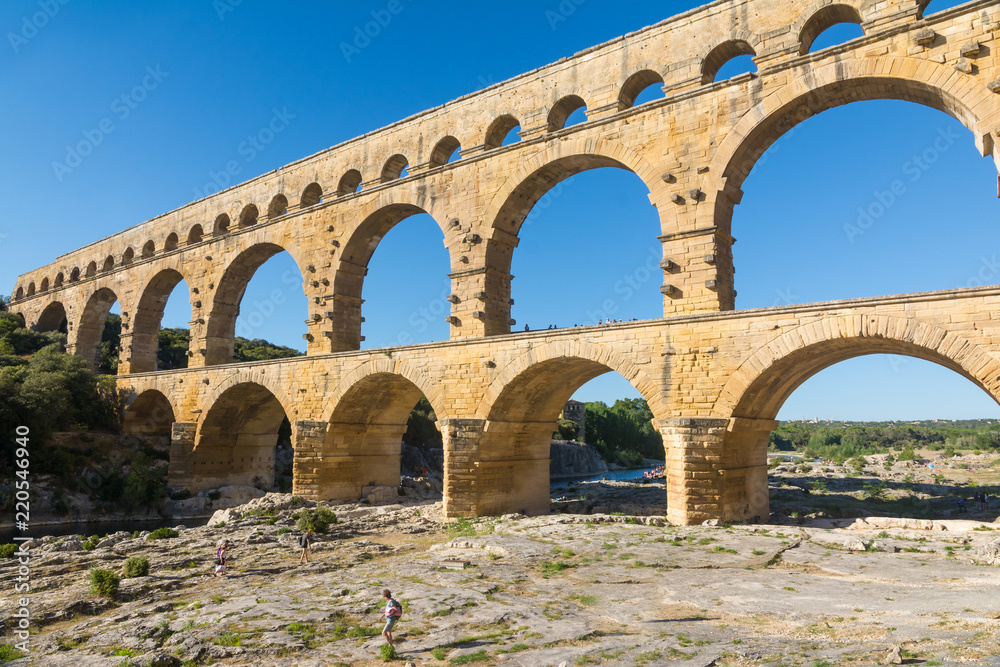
(606, 581)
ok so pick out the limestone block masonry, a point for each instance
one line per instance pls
(714, 378)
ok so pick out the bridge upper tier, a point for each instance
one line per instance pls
(692, 149)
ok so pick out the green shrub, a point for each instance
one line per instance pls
(479, 656)
(162, 534)
(136, 566)
(387, 653)
(103, 583)
(8, 550)
(9, 653)
(90, 543)
(316, 519)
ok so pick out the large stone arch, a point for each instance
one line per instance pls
(372, 222)
(239, 269)
(86, 335)
(246, 375)
(143, 342)
(515, 421)
(520, 192)
(149, 412)
(768, 377)
(52, 318)
(377, 366)
(732, 454)
(835, 83)
(236, 437)
(364, 422)
(584, 358)
(556, 162)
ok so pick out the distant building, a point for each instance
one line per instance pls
(573, 411)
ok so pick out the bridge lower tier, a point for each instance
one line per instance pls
(714, 383)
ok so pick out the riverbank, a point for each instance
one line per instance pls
(581, 589)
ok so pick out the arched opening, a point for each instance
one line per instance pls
(312, 195)
(59, 279)
(349, 182)
(31, 288)
(149, 249)
(929, 7)
(148, 340)
(569, 110)
(395, 167)
(236, 442)
(128, 256)
(522, 421)
(838, 380)
(171, 242)
(91, 270)
(195, 235)
(365, 439)
(502, 132)
(256, 302)
(643, 86)
(44, 286)
(98, 334)
(248, 217)
(19, 294)
(832, 25)
(109, 263)
(53, 318)
(221, 225)
(446, 150)
(150, 414)
(886, 185)
(404, 296)
(727, 60)
(562, 278)
(74, 274)
(277, 207)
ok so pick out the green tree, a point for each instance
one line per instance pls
(421, 428)
(111, 344)
(173, 348)
(566, 430)
(259, 349)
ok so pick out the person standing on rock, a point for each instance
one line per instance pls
(305, 540)
(393, 610)
(220, 559)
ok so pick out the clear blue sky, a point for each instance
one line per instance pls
(215, 76)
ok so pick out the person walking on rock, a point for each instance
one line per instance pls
(393, 610)
(305, 540)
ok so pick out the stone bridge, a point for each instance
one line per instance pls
(714, 377)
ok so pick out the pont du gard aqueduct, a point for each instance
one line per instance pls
(714, 377)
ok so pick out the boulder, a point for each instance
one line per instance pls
(989, 553)
(574, 459)
(233, 496)
(855, 544)
(380, 495)
(894, 656)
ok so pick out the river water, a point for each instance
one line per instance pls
(7, 533)
(610, 475)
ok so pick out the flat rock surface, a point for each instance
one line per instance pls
(576, 589)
